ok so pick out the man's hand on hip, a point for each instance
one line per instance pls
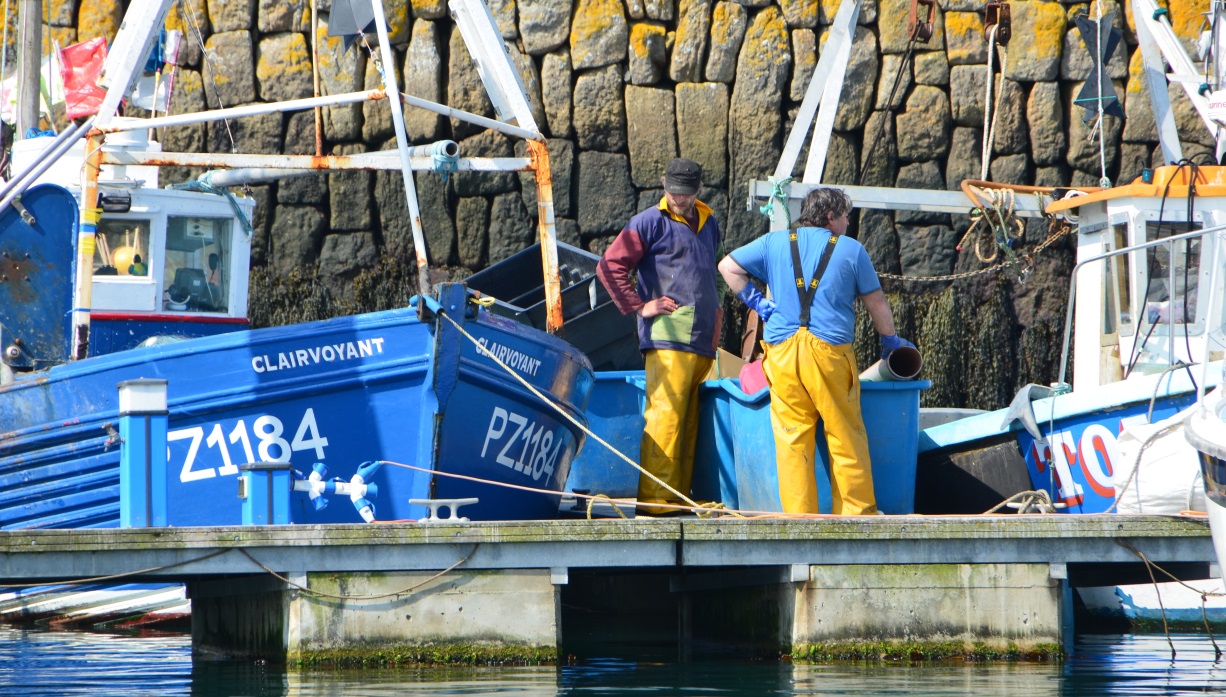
(658, 306)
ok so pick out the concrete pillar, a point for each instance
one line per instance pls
(1024, 607)
(505, 613)
(462, 616)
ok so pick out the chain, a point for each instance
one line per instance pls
(1026, 261)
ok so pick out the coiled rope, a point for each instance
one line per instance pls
(996, 215)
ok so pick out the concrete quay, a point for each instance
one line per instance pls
(531, 591)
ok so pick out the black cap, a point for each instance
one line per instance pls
(682, 176)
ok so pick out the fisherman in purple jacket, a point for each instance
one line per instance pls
(672, 249)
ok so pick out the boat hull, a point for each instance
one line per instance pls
(1205, 430)
(973, 464)
(380, 386)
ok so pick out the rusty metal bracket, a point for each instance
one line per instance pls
(921, 31)
(996, 13)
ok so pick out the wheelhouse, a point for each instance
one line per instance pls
(167, 262)
(1144, 312)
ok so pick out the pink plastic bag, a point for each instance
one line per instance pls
(753, 379)
(80, 66)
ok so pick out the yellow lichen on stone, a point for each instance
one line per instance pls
(592, 18)
(963, 36)
(800, 13)
(894, 23)
(598, 34)
(1187, 18)
(1136, 74)
(766, 40)
(642, 36)
(399, 21)
(189, 92)
(98, 18)
(1042, 27)
(185, 15)
(430, 9)
(722, 16)
(58, 36)
(329, 47)
(284, 57)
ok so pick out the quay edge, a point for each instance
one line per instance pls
(999, 587)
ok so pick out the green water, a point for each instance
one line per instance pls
(45, 663)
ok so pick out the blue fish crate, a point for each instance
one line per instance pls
(615, 413)
(735, 457)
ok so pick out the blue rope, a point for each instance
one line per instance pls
(779, 193)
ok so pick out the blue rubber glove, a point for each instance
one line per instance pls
(890, 344)
(757, 302)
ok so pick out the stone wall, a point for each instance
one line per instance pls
(621, 86)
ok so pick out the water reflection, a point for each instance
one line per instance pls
(38, 663)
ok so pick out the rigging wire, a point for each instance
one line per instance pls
(194, 24)
(903, 66)
(1134, 355)
(1103, 181)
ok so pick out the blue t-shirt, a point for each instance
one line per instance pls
(850, 274)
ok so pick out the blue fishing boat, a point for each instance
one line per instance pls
(108, 278)
(378, 386)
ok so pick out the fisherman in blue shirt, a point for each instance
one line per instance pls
(815, 274)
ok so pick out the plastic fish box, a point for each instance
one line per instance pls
(735, 458)
(615, 413)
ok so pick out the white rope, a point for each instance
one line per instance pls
(990, 109)
(988, 127)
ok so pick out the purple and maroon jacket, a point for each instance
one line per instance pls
(670, 260)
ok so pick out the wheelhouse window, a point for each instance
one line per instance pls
(1117, 298)
(196, 277)
(122, 248)
(1172, 276)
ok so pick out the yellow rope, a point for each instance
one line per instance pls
(592, 501)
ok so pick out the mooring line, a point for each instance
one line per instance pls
(629, 503)
(1204, 596)
(334, 596)
(125, 574)
(569, 417)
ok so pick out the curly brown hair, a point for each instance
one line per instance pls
(822, 204)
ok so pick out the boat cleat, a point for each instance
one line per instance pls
(452, 505)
